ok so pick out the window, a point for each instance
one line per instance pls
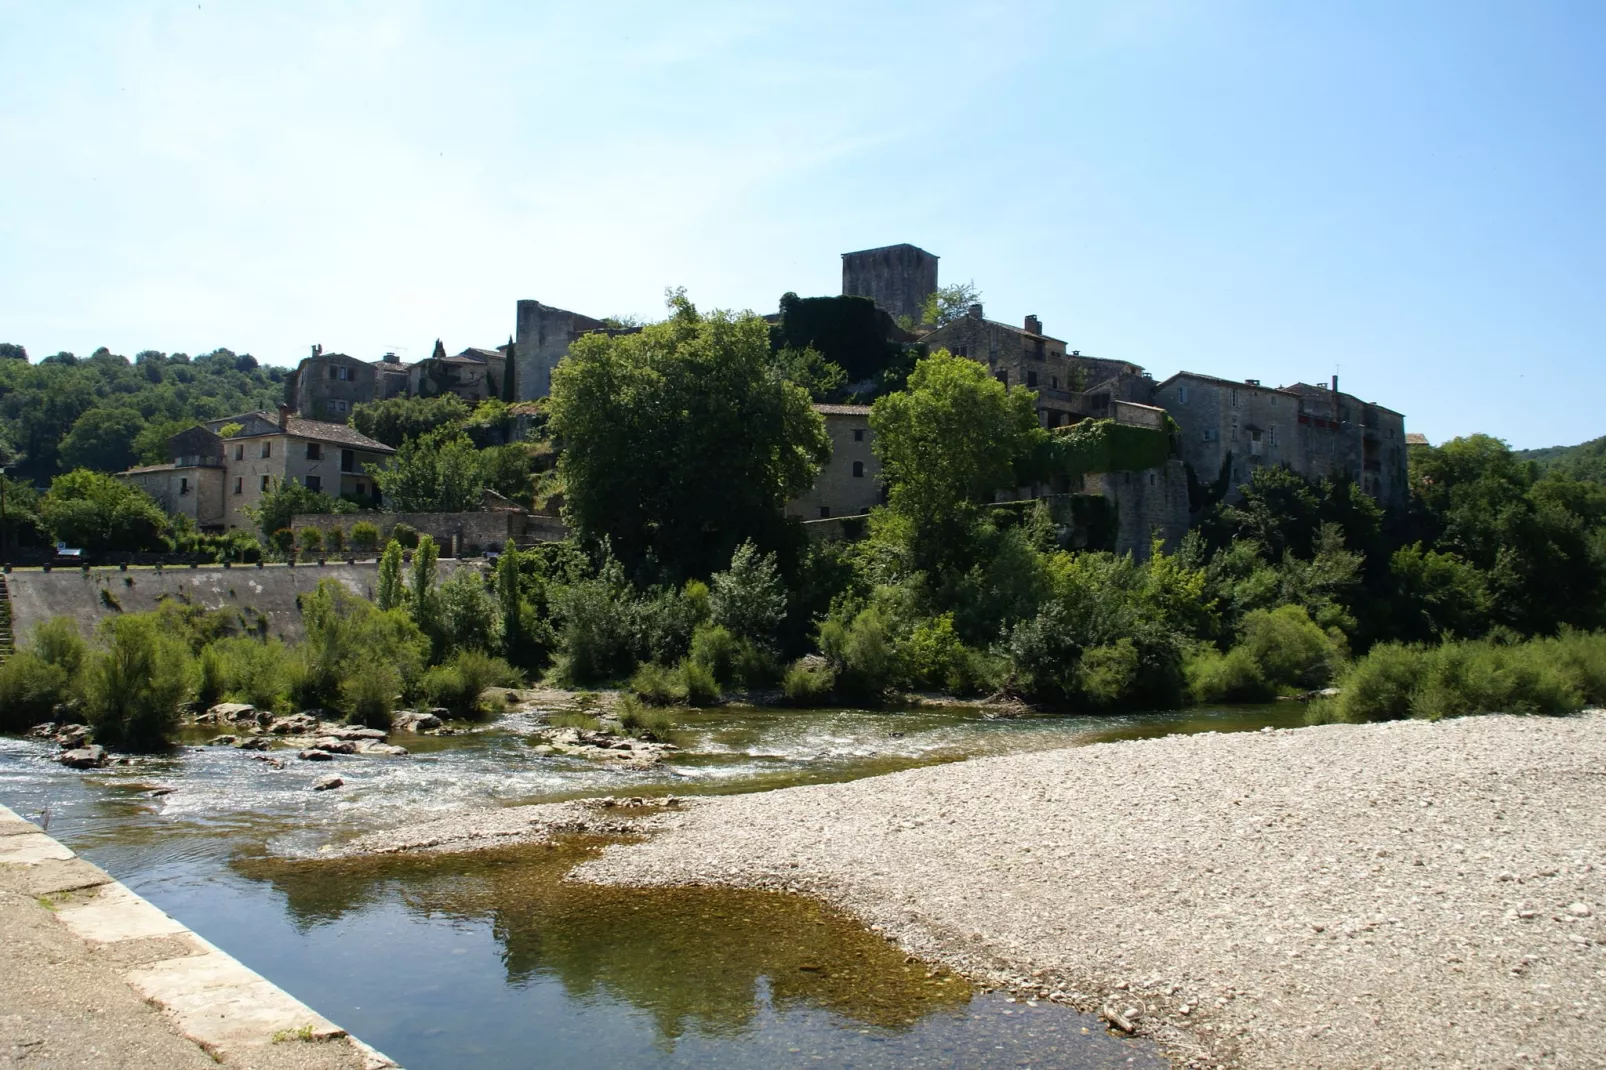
(267, 448)
(239, 453)
(183, 485)
(964, 351)
(348, 461)
(1271, 433)
(239, 484)
(1003, 376)
(825, 512)
(314, 452)
(1235, 399)
(858, 434)
(315, 483)
(1207, 435)
(1031, 378)
(264, 482)
(362, 488)
(1182, 395)
(333, 372)
(1054, 382)
(858, 469)
(340, 405)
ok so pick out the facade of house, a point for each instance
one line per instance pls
(215, 478)
(849, 484)
(326, 386)
(473, 375)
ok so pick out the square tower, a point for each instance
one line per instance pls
(898, 278)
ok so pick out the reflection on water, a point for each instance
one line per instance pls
(494, 960)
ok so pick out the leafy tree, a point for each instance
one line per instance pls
(438, 472)
(134, 684)
(97, 512)
(510, 601)
(421, 585)
(11, 351)
(395, 420)
(748, 598)
(102, 439)
(285, 499)
(391, 592)
(947, 444)
(948, 303)
(680, 441)
(346, 636)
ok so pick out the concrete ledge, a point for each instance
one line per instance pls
(207, 995)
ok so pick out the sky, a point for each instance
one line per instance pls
(1408, 195)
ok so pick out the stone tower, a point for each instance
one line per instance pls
(544, 335)
(897, 277)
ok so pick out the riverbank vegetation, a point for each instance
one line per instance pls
(675, 449)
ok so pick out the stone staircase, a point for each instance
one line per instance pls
(6, 643)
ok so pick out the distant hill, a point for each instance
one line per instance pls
(1587, 460)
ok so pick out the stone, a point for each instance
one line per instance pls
(1580, 910)
(414, 721)
(90, 757)
(72, 736)
(334, 745)
(382, 749)
(356, 734)
(223, 741)
(232, 711)
(43, 731)
(313, 754)
(328, 783)
(296, 725)
(274, 762)
(255, 743)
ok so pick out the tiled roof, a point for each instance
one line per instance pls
(343, 434)
(843, 410)
(142, 469)
(1416, 438)
(1231, 382)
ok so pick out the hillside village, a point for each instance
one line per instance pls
(1221, 429)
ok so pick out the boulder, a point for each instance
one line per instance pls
(90, 757)
(334, 746)
(415, 721)
(296, 725)
(72, 736)
(274, 762)
(43, 731)
(255, 743)
(382, 749)
(231, 711)
(313, 754)
(223, 741)
(327, 783)
(356, 734)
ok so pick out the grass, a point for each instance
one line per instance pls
(642, 722)
(284, 1036)
(583, 721)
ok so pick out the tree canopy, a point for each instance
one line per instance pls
(683, 440)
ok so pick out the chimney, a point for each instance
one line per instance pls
(1335, 384)
(284, 417)
(1034, 325)
(974, 312)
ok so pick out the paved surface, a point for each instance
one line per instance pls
(1396, 895)
(91, 975)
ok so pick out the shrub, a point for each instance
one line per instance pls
(405, 534)
(1107, 674)
(585, 722)
(311, 540)
(336, 540)
(698, 683)
(283, 540)
(58, 642)
(595, 637)
(369, 695)
(643, 723)
(30, 690)
(1289, 648)
(809, 682)
(364, 536)
(1231, 677)
(1378, 687)
(243, 669)
(466, 614)
(458, 684)
(934, 658)
(134, 684)
(1485, 677)
(345, 632)
(715, 649)
(860, 653)
(749, 599)
(1579, 655)
(657, 686)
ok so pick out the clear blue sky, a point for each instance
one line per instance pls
(1410, 193)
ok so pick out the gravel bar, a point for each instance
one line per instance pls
(1393, 895)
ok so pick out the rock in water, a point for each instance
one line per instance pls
(255, 743)
(315, 755)
(328, 783)
(232, 711)
(90, 757)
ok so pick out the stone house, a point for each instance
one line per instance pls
(325, 386)
(473, 375)
(849, 484)
(544, 335)
(214, 479)
(1341, 435)
(1243, 425)
(898, 278)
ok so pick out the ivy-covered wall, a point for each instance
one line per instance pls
(848, 331)
(1094, 446)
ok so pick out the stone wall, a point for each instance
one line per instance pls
(850, 482)
(1147, 504)
(543, 337)
(267, 594)
(457, 533)
(1253, 425)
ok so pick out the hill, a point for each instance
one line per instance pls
(1587, 460)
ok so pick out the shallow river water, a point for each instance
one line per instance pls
(492, 960)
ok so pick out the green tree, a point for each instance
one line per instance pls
(285, 499)
(508, 597)
(948, 303)
(748, 598)
(680, 441)
(391, 593)
(97, 512)
(134, 684)
(438, 472)
(421, 585)
(947, 444)
(103, 440)
(395, 420)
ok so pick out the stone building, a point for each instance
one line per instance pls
(1069, 386)
(1341, 435)
(544, 335)
(849, 484)
(898, 278)
(325, 386)
(473, 375)
(214, 479)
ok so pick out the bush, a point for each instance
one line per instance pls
(1107, 674)
(1581, 656)
(1378, 687)
(30, 690)
(58, 642)
(345, 632)
(715, 649)
(458, 684)
(934, 658)
(466, 614)
(283, 540)
(860, 654)
(1231, 677)
(369, 695)
(1290, 649)
(133, 686)
(336, 540)
(809, 682)
(749, 599)
(643, 723)
(311, 540)
(698, 684)
(364, 536)
(658, 686)
(596, 636)
(243, 669)
(405, 534)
